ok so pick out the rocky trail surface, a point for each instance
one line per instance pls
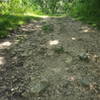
(51, 59)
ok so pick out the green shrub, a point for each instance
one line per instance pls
(3, 34)
(86, 10)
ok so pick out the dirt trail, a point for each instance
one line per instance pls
(51, 59)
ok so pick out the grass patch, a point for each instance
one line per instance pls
(10, 22)
(59, 50)
(48, 28)
(93, 21)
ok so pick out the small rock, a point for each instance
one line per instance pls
(68, 59)
(36, 87)
(85, 82)
(95, 58)
(84, 57)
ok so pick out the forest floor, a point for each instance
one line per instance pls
(51, 59)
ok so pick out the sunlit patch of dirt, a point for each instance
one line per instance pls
(2, 60)
(53, 42)
(73, 38)
(87, 29)
(5, 44)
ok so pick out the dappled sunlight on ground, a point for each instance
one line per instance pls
(53, 42)
(24, 35)
(2, 60)
(38, 26)
(24, 29)
(31, 27)
(87, 29)
(71, 78)
(32, 14)
(5, 44)
(19, 38)
(73, 38)
(45, 17)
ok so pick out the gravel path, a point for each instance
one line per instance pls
(51, 59)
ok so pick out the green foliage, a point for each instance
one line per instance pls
(50, 6)
(86, 10)
(86, 7)
(16, 7)
(73, 7)
(10, 22)
(3, 34)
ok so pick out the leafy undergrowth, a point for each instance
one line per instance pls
(87, 12)
(93, 21)
(11, 22)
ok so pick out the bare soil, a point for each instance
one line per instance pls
(51, 59)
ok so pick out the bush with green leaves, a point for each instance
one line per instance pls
(14, 6)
